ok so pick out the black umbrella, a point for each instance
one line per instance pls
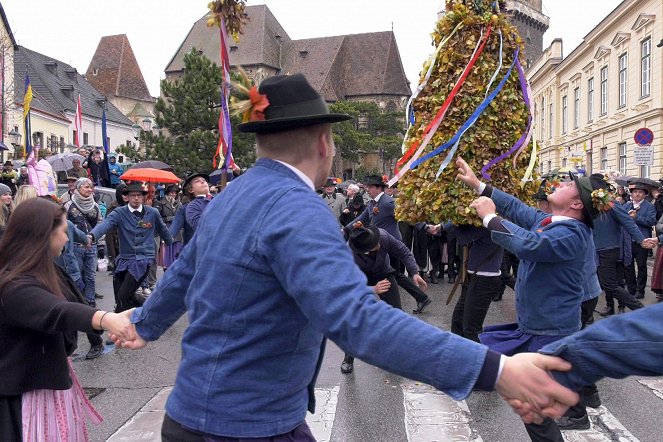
(152, 164)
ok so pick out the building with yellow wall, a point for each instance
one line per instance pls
(589, 104)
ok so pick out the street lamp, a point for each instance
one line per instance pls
(136, 129)
(14, 137)
(146, 124)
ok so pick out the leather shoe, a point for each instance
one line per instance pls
(639, 295)
(95, 352)
(606, 311)
(433, 278)
(497, 297)
(98, 296)
(621, 309)
(592, 400)
(452, 279)
(346, 367)
(573, 423)
(421, 305)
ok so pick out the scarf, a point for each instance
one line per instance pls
(85, 205)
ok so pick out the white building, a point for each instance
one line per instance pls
(589, 104)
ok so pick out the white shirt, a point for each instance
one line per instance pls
(377, 198)
(139, 209)
(299, 173)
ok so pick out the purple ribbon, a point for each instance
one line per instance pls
(526, 134)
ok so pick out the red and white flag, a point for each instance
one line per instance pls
(78, 124)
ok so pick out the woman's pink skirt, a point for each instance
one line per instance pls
(58, 415)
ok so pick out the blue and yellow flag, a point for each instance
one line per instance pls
(27, 99)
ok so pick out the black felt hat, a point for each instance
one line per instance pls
(293, 103)
(374, 180)
(329, 182)
(135, 187)
(191, 177)
(363, 239)
(541, 194)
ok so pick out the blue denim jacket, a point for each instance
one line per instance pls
(551, 276)
(645, 218)
(179, 223)
(606, 232)
(617, 347)
(136, 241)
(259, 310)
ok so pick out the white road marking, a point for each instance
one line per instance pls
(430, 416)
(322, 421)
(604, 427)
(656, 385)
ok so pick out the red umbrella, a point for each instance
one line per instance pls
(150, 176)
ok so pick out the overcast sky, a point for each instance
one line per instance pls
(69, 30)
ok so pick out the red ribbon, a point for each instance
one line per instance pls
(445, 106)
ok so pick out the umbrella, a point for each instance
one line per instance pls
(152, 164)
(62, 162)
(345, 184)
(150, 176)
(215, 177)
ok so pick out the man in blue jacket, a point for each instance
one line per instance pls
(136, 225)
(644, 214)
(261, 291)
(553, 250)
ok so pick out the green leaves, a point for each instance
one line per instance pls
(189, 121)
(494, 133)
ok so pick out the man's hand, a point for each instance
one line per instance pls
(649, 243)
(433, 229)
(381, 287)
(127, 338)
(419, 281)
(532, 392)
(466, 174)
(484, 206)
(90, 239)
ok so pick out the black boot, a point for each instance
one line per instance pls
(432, 277)
(608, 311)
(347, 365)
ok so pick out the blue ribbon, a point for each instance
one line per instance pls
(470, 121)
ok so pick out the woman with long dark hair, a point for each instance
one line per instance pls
(40, 312)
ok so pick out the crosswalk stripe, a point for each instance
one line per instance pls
(656, 386)
(322, 421)
(604, 427)
(433, 416)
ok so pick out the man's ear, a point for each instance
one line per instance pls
(325, 148)
(577, 204)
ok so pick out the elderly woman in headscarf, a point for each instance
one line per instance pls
(84, 212)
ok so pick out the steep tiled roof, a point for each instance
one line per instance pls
(56, 85)
(257, 44)
(338, 67)
(114, 70)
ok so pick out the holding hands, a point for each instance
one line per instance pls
(649, 243)
(117, 324)
(526, 384)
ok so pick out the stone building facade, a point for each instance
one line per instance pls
(589, 104)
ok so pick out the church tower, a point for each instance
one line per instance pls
(528, 17)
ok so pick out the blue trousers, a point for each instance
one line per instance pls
(87, 261)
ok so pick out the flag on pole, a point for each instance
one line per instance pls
(78, 123)
(224, 147)
(103, 130)
(27, 99)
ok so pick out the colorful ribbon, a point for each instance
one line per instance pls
(431, 128)
(470, 121)
(532, 161)
(524, 139)
(527, 94)
(225, 144)
(409, 111)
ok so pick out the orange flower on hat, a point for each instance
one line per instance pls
(259, 103)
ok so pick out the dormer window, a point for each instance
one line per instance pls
(52, 66)
(68, 90)
(303, 54)
(95, 71)
(234, 48)
(71, 73)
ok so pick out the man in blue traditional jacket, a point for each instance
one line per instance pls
(553, 250)
(261, 291)
(136, 225)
